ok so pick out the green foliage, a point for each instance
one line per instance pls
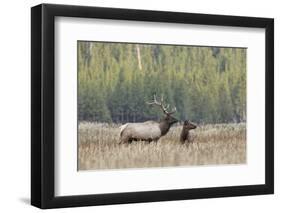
(205, 84)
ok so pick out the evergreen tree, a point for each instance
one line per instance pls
(206, 84)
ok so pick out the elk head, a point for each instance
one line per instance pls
(167, 121)
(188, 125)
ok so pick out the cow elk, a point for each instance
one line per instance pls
(149, 130)
(185, 136)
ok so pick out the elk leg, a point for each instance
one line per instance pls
(188, 144)
(197, 146)
(124, 140)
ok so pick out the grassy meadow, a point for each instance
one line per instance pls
(212, 144)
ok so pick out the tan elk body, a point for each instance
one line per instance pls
(149, 130)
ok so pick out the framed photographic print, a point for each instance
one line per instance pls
(139, 106)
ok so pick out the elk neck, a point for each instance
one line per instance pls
(164, 127)
(184, 134)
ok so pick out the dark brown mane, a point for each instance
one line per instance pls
(166, 123)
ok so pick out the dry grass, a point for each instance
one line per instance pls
(212, 144)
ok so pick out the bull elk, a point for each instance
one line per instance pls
(187, 126)
(149, 130)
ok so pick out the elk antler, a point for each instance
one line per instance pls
(161, 104)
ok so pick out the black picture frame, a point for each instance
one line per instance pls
(43, 102)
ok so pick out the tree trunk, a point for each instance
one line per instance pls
(139, 57)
